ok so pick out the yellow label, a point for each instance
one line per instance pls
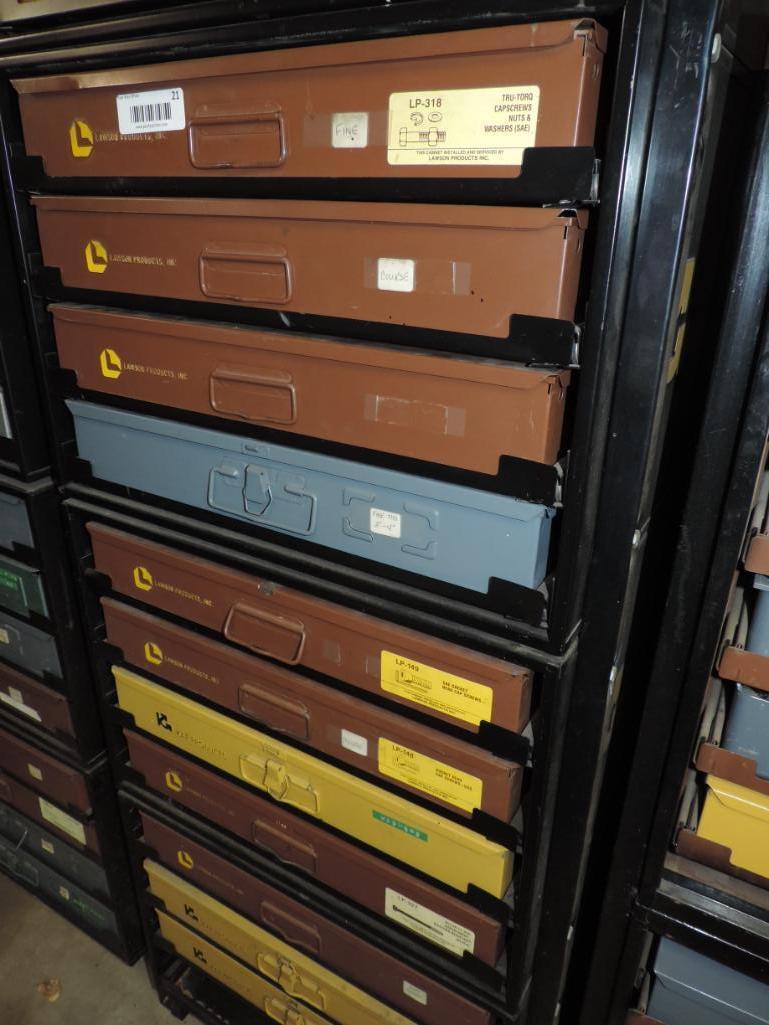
(434, 778)
(436, 689)
(174, 781)
(96, 257)
(59, 818)
(110, 364)
(80, 139)
(463, 126)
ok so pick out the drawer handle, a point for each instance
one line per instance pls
(244, 275)
(286, 505)
(272, 775)
(287, 1014)
(260, 396)
(289, 849)
(276, 711)
(221, 141)
(266, 634)
(290, 979)
(294, 930)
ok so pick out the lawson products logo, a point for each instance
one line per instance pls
(110, 364)
(143, 578)
(96, 257)
(80, 139)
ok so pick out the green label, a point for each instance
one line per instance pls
(404, 828)
(12, 581)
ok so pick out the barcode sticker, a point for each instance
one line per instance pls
(159, 110)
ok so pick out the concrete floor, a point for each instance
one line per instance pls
(36, 945)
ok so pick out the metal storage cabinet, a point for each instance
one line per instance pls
(27, 647)
(488, 96)
(452, 268)
(326, 720)
(437, 915)
(690, 988)
(458, 535)
(30, 838)
(448, 410)
(59, 891)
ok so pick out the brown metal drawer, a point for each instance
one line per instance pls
(34, 701)
(459, 104)
(359, 962)
(410, 756)
(451, 411)
(438, 678)
(455, 268)
(440, 917)
(80, 832)
(51, 777)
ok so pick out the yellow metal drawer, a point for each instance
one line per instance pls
(295, 973)
(390, 824)
(737, 818)
(237, 977)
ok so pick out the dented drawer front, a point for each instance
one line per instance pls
(78, 831)
(441, 848)
(423, 761)
(28, 837)
(264, 995)
(447, 532)
(454, 268)
(21, 588)
(15, 528)
(293, 971)
(459, 104)
(57, 888)
(747, 728)
(44, 773)
(438, 916)
(450, 411)
(27, 647)
(442, 679)
(362, 963)
(34, 701)
(738, 819)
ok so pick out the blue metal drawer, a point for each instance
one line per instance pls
(747, 728)
(28, 837)
(456, 534)
(24, 645)
(14, 522)
(690, 989)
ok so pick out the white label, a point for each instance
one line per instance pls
(15, 699)
(64, 892)
(383, 522)
(158, 110)
(4, 637)
(34, 772)
(65, 822)
(354, 742)
(414, 992)
(349, 131)
(419, 919)
(47, 846)
(463, 126)
(395, 275)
